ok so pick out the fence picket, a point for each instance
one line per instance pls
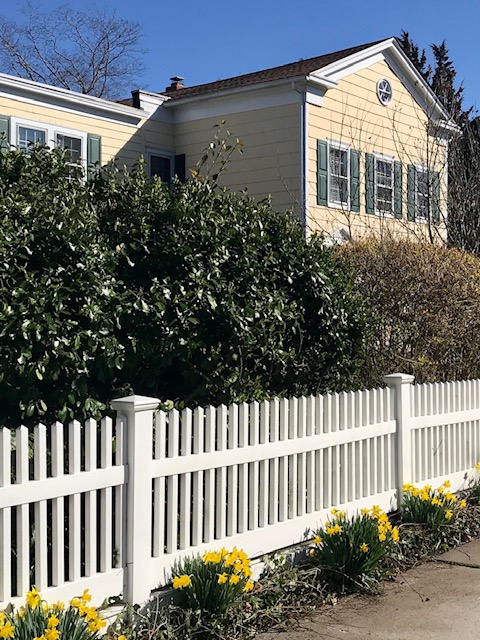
(106, 503)
(159, 493)
(23, 519)
(248, 472)
(40, 509)
(90, 500)
(185, 481)
(58, 510)
(5, 518)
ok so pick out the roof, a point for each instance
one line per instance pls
(291, 70)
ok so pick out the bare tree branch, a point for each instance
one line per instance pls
(95, 53)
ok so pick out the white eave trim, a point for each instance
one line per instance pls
(234, 91)
(343, 67)
(321, 81)
(12, 85)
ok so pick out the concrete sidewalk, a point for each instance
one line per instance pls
(439, 600)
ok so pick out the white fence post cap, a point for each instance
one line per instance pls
(135, 403)
(398, 378)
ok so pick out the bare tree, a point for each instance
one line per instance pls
(95, 52)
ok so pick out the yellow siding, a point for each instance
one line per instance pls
(126, 142)
(270, 162)
(352, 114)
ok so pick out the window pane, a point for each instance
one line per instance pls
(422, 194)
(161, 167)
(383, 186)
(27, 137)
(338, 159)
(72, 146)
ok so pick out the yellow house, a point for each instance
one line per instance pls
(355, 141)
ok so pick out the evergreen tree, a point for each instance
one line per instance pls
(442, 84)
(418, 59)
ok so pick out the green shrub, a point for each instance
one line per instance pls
(188, 293)
(230, 302)
(214, 582)
(349, 550)
(432, 507)
(425, 308)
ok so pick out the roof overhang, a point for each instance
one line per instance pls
(328, 77)
(391, 51)
(20, 88)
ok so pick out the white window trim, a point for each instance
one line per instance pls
(423, 169)
(51, 131)
(379, 95)
(341, 146)
(391, 160)
(163, 153)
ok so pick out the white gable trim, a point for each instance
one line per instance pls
(391, 52)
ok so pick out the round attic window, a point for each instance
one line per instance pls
(384, 91)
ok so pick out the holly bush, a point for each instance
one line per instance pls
(183, 291)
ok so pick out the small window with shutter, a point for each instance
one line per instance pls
(338, 176)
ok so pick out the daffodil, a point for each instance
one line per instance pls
(179, 582)
(33, 598)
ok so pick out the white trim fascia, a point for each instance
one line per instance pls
(152, 104)
(318, 79)
(214, 95)
(392, 52)
(240, 102)
(28, 90)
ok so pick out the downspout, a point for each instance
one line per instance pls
(303, 157)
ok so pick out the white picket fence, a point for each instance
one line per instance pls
(111, 507)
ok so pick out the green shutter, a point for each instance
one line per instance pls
(370, 182)
(411, 189)
(436, 197)
(322, 167)
(94, 155)
(354, 180)
(398, 191)
(179, 167)
(4, 133)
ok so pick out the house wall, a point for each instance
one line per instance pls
(270, 137)
(352, 113)
(120, 139)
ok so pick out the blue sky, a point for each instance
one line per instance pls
(213, 39)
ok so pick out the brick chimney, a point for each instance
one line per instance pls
(176, 84)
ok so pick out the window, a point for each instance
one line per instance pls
(73, 151)
(161, 166)
(338, 175)
(27, 137)
(384, 91)
(383, 186)
(26, 133)
(423, 194)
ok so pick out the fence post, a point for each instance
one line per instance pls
(138, 512)
(401, 383)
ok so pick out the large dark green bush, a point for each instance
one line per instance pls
(230, 302)
(183, 292)
(425, 303)
(58, 302)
